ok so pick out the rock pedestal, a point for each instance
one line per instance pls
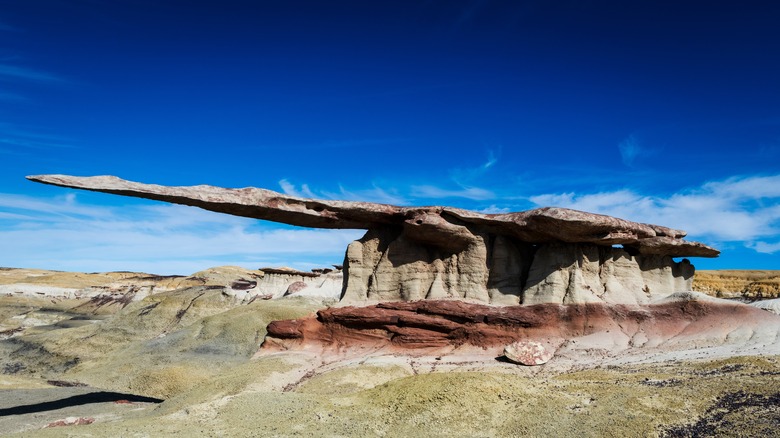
(386, 266)
(546, 255)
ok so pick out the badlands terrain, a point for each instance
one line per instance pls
(440, 322)
(131, 354)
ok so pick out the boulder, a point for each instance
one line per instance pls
(528, 353)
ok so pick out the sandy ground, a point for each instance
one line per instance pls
(196, 350)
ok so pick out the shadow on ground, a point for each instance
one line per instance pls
(77, 400)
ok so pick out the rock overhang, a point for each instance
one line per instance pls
(432, 224)
(545, 255)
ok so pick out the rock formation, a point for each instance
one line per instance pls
(684, 320)
(324, 283)
(546, 255)
(111, 289)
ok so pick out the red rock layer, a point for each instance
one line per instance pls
(444, 323)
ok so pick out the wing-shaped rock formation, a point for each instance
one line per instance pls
(542, 255)
(442, 226)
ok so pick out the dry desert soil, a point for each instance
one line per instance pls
(184, 360)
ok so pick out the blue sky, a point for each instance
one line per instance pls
(662, 112)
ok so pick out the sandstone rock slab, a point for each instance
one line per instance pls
(529, 353)
(446, 227)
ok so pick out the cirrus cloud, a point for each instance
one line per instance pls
(743, 209)
(61, 233)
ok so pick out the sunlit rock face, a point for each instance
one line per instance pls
(546, 255)
(684, 320)
(385, 266)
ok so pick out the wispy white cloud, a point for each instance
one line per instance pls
(461, 186)
(387, 196)
(494, 209)
(465, 177)
(374, 194)
(739, 209)
(333, 144)
(473, 193)
(12, 97)
(764, 247)
(61, 233)
(15, 216)
(15, 72)
(20, 137)
(289, 189)
(30, 144)
(465, 182)
(44, 208)
(755, 187)
(7, 151)
(629, 150)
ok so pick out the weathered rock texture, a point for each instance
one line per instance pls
(326, 283)
(86, 298)
(547, 255)
(528, 353)
(110, 289)
(444, 324)
(768, 305)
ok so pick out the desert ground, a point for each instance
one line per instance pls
(137, 355)
(735, 283)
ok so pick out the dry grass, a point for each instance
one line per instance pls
(731, 283)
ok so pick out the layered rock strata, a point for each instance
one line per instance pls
(546, 255)
(279, 282)
(126, 287)
(688, 322)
